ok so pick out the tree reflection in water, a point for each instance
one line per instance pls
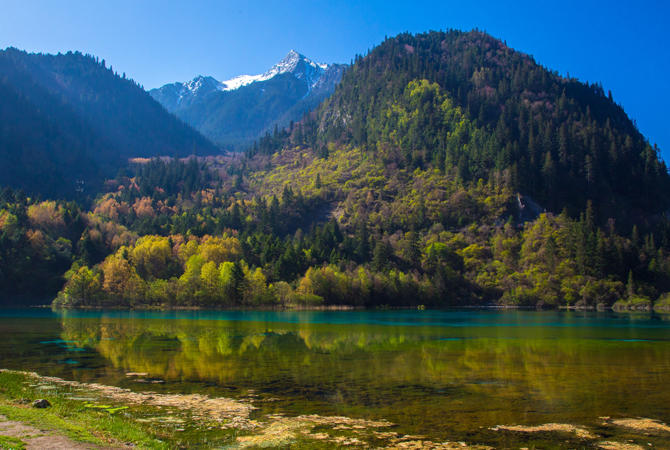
(424, 378)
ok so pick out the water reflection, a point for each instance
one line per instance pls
(441, 374)
(425, 378)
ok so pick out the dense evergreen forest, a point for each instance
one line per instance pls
(447, 169)
(70, 116)
(466, 101)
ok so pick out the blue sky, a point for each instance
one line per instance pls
(622, 44)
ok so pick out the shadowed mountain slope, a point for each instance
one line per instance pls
(68, 116)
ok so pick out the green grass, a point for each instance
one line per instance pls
(11, 443)
(71, 418)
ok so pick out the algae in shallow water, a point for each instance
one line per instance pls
(441, 375)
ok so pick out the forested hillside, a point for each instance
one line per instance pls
(39, 240)
(68, 117)
(46, 152)
(559, 140)
(447, 169)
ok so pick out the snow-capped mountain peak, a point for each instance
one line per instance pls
(201, 83)
(179, 95)
(302, 67)
(292, 63)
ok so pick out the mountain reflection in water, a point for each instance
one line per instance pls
(440, 381)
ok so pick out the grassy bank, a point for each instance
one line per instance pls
(70, 415)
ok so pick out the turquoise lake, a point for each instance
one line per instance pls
(446, 375)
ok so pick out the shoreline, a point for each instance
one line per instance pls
(661, 310)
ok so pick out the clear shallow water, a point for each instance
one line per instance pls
(443, 374)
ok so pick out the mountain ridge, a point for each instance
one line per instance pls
(102, 117)
(201, 100)
(411, 185)
(564, 141)
(201, 86)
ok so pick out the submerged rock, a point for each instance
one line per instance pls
(560, 427)
(641, 424)
(41, 403)
(608, 445)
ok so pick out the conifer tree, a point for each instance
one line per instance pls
(630, 286)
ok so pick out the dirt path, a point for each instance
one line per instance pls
(38, 439)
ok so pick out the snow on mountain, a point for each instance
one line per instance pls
(239, 81)
(201, 83)
(180, 95)
(303, 68)
(233, 113)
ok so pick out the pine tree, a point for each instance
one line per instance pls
(362, 240)
(236, 216)
(600, 257)
(549, 178)
(381, 255)
(412, 249)
(635, 236)
(287, 195)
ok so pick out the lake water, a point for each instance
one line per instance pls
(442, 374)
